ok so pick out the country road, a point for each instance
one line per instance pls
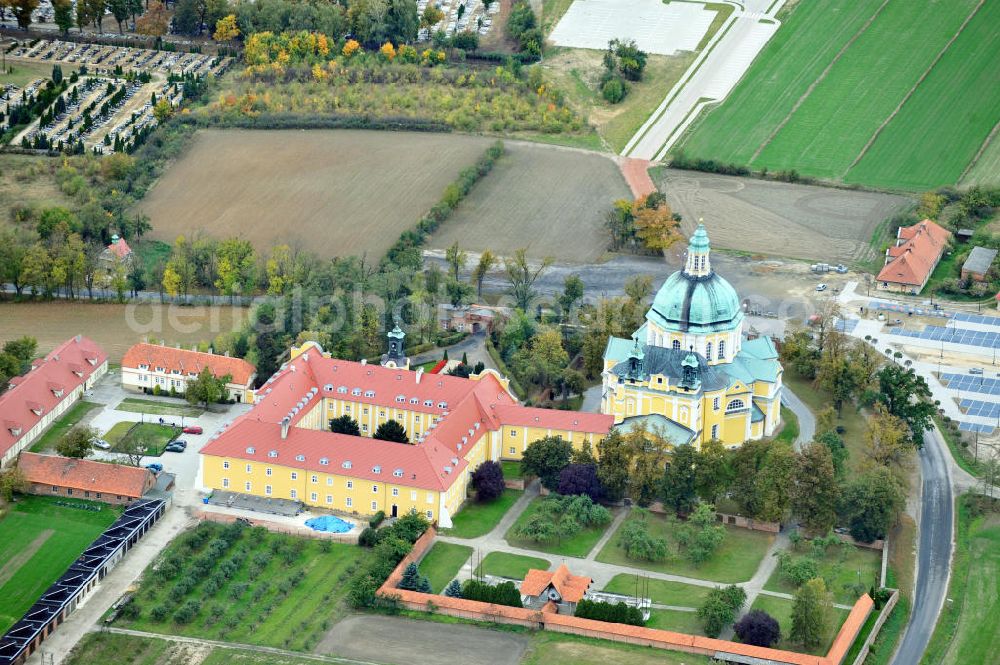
(934, 547)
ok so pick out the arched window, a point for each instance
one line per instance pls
(677, 345)
(722, 349)
(708, 351)
(735, 405)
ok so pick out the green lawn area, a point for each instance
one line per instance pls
(578, 545)
(25, 72)
(781, 609)
(557, 649)
(139, 405)
(511, 470)
(158, 435)
(736, 560)
(477, 519)
(675, 620)
(964, 457)
(968, 630)
(115, 649)
(662, 592)
(840, 570)
(790, 428)
(442, 563)
(58, 429)
(280, 591)
(513, 566)
(851, 419)
(38, 542)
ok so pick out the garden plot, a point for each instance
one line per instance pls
(656, 27)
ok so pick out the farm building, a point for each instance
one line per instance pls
(52, 475)
(471, 318)
(978, 264)
(560, 587)
(910, 262)
(51, 386)
(148, 367)
(283, 449)
(689, 372)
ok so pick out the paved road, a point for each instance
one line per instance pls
(807, 420)
(933, 549)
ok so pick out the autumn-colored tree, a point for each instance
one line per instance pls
(887, 440)
(226, 29)
(431, 16)
(388, 51)
(236, 263)
(655, 224)
(486, 262)
(163, 111)
(351, 48)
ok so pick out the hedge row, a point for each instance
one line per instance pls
(500, 594)
(325, 121)
(612, 613)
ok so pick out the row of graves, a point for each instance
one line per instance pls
(461, 16)
(100, 58)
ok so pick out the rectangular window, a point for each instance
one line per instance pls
(295, 494)
(248, 486)
(430, 515)
(395, 491)
(249, 469)
(513, 432)
(329, 480)
(69, 492)
(312, 497)
(430, 498)
(86, 493)
(350, 484)
(715, 404)
(315, 479)
(348, 502)
(374, 489)
(225, 464)
(513, 451)
(715, 431)
(267, 471)
(329, 498)
(267, 490)
(413, 495)
(364, 428)
(225, 482)
(366, 410)
(55, 489)
(98, 495)
(295, 476)
(374, 505)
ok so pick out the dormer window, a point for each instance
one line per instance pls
(58, 392)
(273, 453)
(300, 458)
(356, 392)
(414, 400)
(401, 399)
(428, 402)
(398, 473)
(176, 371)
(442, 405)
(342, 389)
(324, 461)
(369, 393)
(346, 464)
(159, 369)
(250, 450)
(15, 430)
(328, 387)
(376, 469)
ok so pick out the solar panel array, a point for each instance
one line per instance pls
(972, 383)
(977, 318)
(976, 427)
(981, 338)
(975, 407)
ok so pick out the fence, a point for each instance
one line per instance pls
(277, 527)
(876, 627)
(729, 519)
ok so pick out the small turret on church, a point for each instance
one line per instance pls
(395, 356)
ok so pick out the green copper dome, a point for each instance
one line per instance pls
(696, 299)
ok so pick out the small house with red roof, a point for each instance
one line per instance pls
(115, 254)
(910, 262)
(157, 368)
(52, 475)
(52, 385)
(559, 586)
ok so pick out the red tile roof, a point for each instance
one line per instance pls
(421, 465)
(570, 587)
(170, 358)
(120, 249)
(81, 474)
(573, 421)
(912, 260)
(49, 382)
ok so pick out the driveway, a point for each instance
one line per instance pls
(397, 641)
(807, 420)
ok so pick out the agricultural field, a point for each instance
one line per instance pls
(548, 199)
(986, 170)
(898, 96)
(38, 541)
(116, 327)
(336, 193)
(791, 220)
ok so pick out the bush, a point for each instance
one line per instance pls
(488, 481)
(720, 608)
(613, 89)
(501, 594)
(758, 628)
(797, 570)
(186, 612)
(376, 519)
(368, 538)
(159, 613)
(639, 544)
(610, 612)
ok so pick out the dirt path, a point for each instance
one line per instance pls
(15, 562)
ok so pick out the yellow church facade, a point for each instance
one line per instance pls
(689, 372)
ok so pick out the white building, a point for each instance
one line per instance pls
(147, 367)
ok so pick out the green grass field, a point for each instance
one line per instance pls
(38, 542)
(511, 470)
(158, 436)
(153, 407)
(578, 545)
(952, 112)
(736, 560)
(781, 609)
(23, 73)
(851, 419)
(661, 592)
(513, 566)
(840, 568)
(986, 171)
(477, 519)
(967, 630)
(115, 649)
(58, 429)
(802, 106)
(790, 427)
(675, 620)
(283, 592)
(442, 563)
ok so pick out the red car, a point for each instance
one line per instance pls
(193, 429)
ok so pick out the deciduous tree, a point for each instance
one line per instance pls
(758, 628)
(811, 611)
(614, 462)
(78, 442)
(906, 396)
(488, 481)
(815, 492)
(546, 458)
(680, 481)
(871, 503)
(522, 276)
(580, 479)
(206, 388)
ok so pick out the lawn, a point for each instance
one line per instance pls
(968, 630)
(513, 566)
(840, 569)
(51, 436)
(781, 609)
(158, 436)
(115, 649)
(852, 420)
(263, 588)
(952, 111)
(25, 72)
(736, 560)
(477, 519)
(675, 620)
(38, 542)
(556, 649)
(511, 470)
(661, 592)
(790, 429)
(153, 407)
(964, 457)
(578, 545)
(442, 563)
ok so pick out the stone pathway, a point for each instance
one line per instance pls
(610, 531)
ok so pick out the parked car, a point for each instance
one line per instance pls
(174, 448)
(179, 442)
(155, 467)
(841, 268)
(975, 370)
(822, 287)
(193, 429)
(102, 444)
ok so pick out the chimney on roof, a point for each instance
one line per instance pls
(420, 373)
(285, 422)
(364, 361)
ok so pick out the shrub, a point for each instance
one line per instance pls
(186, 612)
(720, 608)
(610, 612)
(376, 519)
(159, 613)
(797, 570)
(639, 544)
(504, 593)
(454, 589)
(758, 628)
(488, 481)
(368, 538)
(613, 89)
(237, 590)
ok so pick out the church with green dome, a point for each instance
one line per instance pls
(689, 373)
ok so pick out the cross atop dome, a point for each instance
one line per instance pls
(698, 264)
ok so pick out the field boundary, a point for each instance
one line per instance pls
(913, 88)
(819, 79)
(979, 153)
